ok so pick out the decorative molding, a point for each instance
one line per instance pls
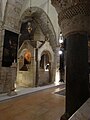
(75, 24)
(78, 9)
(65, 4)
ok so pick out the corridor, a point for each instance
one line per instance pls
(40, 105)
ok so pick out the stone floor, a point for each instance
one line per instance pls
(41, 105)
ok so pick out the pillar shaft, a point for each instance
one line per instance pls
(73, 18)
(77, 89)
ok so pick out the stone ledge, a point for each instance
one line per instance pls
(83, 113)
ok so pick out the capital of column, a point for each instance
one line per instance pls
(73, 15)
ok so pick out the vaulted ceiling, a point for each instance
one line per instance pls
(38, 16)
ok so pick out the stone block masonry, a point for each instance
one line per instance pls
(7, 79)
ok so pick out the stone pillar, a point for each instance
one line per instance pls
(74, 21)
(76, 72)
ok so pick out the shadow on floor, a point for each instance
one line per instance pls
(62, 92)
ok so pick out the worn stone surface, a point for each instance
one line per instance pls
(83, 113)
(43, 105)
(7, 79)
(12, 15)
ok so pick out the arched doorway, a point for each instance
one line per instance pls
(45, 68)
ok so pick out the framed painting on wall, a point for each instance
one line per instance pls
(9, 48)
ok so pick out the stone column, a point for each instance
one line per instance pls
(74, 21)
(76, 72)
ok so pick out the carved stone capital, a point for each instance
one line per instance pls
(78, 9)
(78, 23)
(73, 15)
(65, 4)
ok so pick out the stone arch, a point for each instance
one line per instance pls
(41, 18)
(48, 53)
(45, 68)
(46, 59)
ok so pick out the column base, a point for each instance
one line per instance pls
(12, 93)
(65, 116)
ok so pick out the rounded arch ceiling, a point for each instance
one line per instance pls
(40, 17)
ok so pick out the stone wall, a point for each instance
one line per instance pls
(26, 78)
(1, 43)
(11, 21)
(43, 77)
(12, 15)
(7, 78)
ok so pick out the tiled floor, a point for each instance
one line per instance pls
(41, 105)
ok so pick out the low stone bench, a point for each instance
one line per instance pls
(83, 113)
